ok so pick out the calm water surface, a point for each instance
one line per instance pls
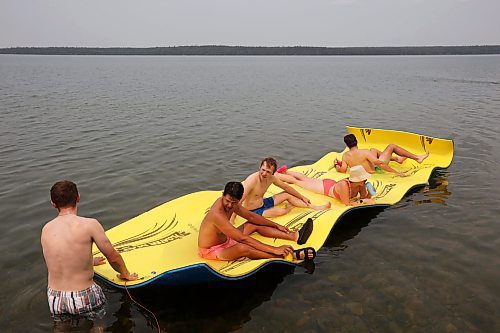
(134, 132)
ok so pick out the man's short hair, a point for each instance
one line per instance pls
(234, 189)
(64, 194)
(350, 140)
(271, 162)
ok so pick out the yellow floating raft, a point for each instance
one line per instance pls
(161, 244)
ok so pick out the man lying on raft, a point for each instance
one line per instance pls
(218, 239)
(256, 186)
(344, 190)
(374, 160)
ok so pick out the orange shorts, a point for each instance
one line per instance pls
(212, 252)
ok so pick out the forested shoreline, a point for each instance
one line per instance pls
(262, 50)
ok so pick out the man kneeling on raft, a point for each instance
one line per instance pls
(219, 240)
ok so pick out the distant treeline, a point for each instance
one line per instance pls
(251, 50)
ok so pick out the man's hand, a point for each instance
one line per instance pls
(283, 250)
(283, 228)
(306, 200)
(337, 163)
(129, 277)
(99, 261)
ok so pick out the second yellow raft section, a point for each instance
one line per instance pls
(164, 240)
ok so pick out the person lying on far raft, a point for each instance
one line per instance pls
(218, 239)
(344, 190)
(374, 160)
(257, 184)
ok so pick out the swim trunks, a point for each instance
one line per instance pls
(379, 169)
(268, 203)
(88, 302)
(329, 183)
(212, 252)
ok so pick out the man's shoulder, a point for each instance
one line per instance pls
(48, 226)
(215, 214)
(88, 224)
(359, 152)
(251, 179)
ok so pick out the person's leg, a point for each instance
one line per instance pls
(249, 228)
(294, 201)
(392, 148)
(376, 153)
(277, 211)
(242, 250)
(311, 184)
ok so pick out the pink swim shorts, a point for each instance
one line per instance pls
(212, 252)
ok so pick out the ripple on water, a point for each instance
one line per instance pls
(134, 132)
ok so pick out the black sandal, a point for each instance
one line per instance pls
(305, 251)
(305, 231)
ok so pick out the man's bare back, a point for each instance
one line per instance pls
(361, 157)
(67, 248)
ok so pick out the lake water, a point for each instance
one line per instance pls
(135, 132)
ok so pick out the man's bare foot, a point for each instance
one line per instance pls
(401, 159)
(421, 158)
(321, 207)
(306, 253)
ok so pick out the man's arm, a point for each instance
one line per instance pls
(114, 258)
(247, 188)
(230, 231)
(340, 166)
(287, 188)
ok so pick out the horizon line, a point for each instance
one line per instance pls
(255, 46)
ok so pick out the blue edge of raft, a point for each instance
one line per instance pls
(202, 273)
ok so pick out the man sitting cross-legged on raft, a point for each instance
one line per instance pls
(257, 184)
(344, 190)
(218, 239)
(374, 160)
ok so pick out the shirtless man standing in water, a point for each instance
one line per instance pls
(257, 184)
(67, 249)
(374, 160)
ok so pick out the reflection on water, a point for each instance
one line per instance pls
(437, 189)
(349, 226)
(214, 307)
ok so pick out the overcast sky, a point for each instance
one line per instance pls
(147, 23)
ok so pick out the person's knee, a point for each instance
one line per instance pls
(283, 211)
(392, 146)
(249, 228)
(246, 251)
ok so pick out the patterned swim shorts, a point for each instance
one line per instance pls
(88, 302)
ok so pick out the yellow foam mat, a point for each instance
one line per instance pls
(161, 244)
